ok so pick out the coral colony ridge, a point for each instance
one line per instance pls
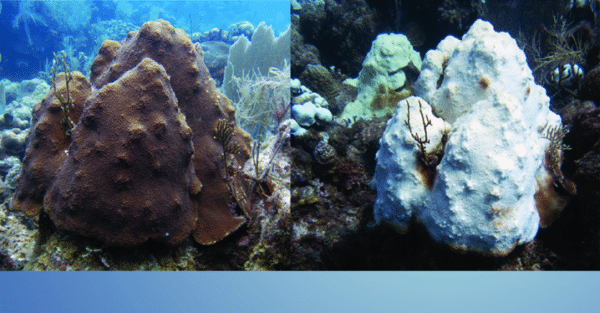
(398, 135)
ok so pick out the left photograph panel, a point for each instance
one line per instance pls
(144, 135)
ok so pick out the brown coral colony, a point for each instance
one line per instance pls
(142, 162)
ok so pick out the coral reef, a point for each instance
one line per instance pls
(17, 240)
(215, 58)
(301, 52)
(230, 36)
(238, 29)
(202, 105)
(308, 107)
(12, 142)
(402, 181)
(263, 100)
(333, 228)
(47, 143)
(270, 172)
(332, 216)
(320, 80)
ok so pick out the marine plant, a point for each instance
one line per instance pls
(261, 174)
(263, 100)
(65, 100)
(428, 159)
(224, 133)
(554, 153)
(565, 45)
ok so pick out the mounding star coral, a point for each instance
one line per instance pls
(47, 143)
(468, 174)
(143, 161)
(144, 153)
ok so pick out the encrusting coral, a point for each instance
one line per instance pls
(143, 162)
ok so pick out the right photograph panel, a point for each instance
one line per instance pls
(445, 135)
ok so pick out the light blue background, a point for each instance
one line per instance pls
(301, 292)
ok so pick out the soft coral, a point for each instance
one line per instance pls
(27, 15)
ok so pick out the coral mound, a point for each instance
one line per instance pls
(482, 196)
(149, 124)
(47, 144)
(128, 176)
(199, 101)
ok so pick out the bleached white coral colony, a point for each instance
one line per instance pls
(487, 121)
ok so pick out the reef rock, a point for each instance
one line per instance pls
(481, 195)
(144, 160)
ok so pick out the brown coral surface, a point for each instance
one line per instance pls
(127, 177)
(47, 144)
(199, 101)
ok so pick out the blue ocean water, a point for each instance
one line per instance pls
(31, 31)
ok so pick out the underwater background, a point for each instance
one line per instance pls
(290, 106)
(33, 30)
